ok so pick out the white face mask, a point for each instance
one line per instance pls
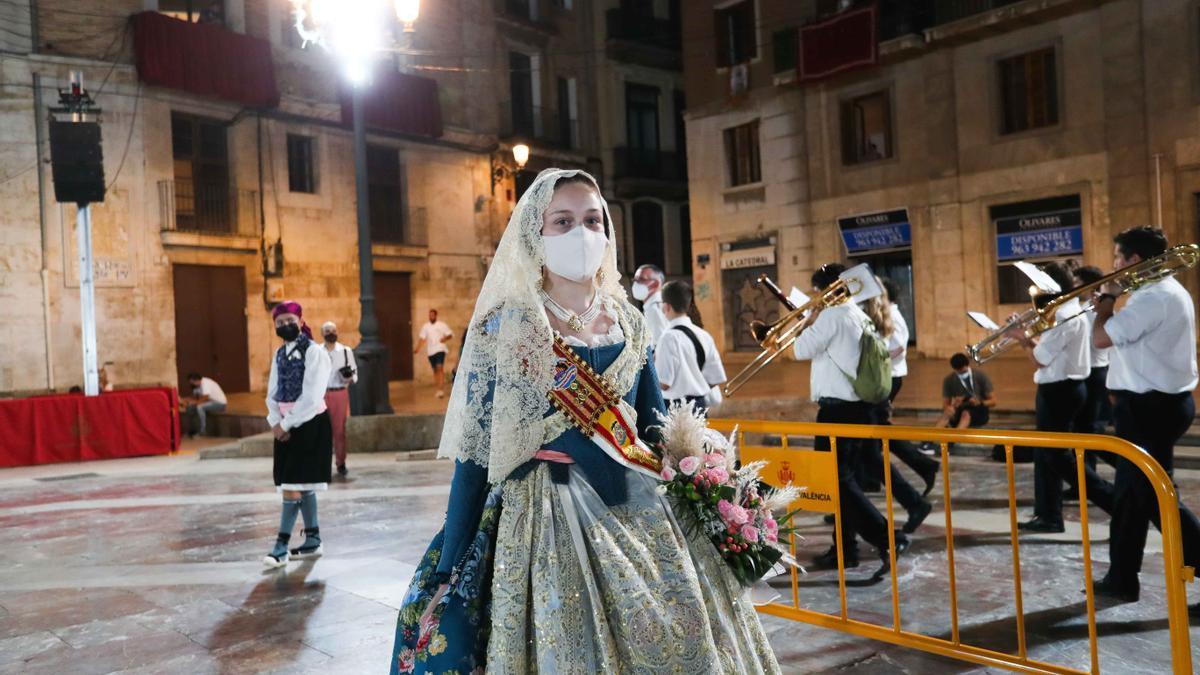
(575, 255)
(640, 291)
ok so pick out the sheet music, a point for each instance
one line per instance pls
(983, 320)
(862, 280)
(797, 297)
(1039, 278)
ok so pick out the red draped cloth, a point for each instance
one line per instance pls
(396, 101)
(205, 59)
(72, 428)
(840, 43)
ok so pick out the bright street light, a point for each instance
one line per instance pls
(354, 31)
(521, 155)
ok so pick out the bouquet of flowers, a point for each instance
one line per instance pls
(728, 504)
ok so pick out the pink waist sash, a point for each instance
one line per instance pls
(553, 456)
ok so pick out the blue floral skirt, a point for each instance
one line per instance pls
(455, 639)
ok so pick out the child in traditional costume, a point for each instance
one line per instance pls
(303, 435)
(558, 553)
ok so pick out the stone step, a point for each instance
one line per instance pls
(369, 433)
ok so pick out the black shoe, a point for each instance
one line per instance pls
(341, 469)
(1194, 610)
(1039, 524)
(828, 559)
(829, 519)
(930, 449)
(1110, 590)
(930, 477)
(916, 517)
(902, 545)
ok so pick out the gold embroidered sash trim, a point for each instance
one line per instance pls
(591, 405)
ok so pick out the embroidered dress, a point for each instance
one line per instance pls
(590, 571)
(296, 402)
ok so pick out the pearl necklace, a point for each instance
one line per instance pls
(577, 322)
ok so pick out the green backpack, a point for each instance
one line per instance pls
(873, 381)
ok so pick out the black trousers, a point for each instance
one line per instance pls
(871, 462)
(1093, 415)
(859, 515)
(1154, 421)
(1058, 406)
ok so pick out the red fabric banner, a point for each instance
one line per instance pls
(840, 43)
(398, 102)
(72, 428)
(206, 59)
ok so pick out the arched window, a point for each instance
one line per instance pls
(648, 248)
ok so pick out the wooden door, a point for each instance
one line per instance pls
(393, 309)
(210, 325)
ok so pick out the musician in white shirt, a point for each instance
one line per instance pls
(686, 358)
(830, 339)
(1151, 375)
(344, 373)
(1063, 358)
(647, 288)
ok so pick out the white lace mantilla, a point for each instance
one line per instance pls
(496, 414)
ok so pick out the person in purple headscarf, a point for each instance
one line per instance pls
(303, 436)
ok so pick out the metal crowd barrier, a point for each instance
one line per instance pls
(817, 472)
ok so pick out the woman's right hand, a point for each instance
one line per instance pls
(424, 621)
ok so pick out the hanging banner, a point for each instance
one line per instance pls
(1040, 235)
(871, 232)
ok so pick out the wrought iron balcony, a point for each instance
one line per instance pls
(649, 163)
(208, 208)
(538, 125)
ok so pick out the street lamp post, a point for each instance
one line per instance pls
(355, 32)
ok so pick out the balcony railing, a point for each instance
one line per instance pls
(652, 164)
(403, 228)
(543, 125)
(626, 25)
(914, 16)
(538, 15)
(208, 208)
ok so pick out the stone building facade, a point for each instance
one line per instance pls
(217, 208)
(982, 133)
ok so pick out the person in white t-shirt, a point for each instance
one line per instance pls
(434, 336)
(207, 397)
(830, 339)
(688, 362)
(647, 289)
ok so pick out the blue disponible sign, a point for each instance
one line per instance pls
(1039, 235)
(869, 232)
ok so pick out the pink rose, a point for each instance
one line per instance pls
(406, 660)
(770, 525)
(772, 537)
(688, 465)
(732, 513)
(717, 475)
(714, 459)
(750, 533)
(668, 473)
(724, 507)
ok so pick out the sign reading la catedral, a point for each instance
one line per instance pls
(883, 231)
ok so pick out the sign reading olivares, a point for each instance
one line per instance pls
(1054, 229)
(883, 231)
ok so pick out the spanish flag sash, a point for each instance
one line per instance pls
(591, 405)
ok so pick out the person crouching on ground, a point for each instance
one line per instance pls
(303, 436)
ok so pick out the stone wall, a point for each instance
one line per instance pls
(1128, 90)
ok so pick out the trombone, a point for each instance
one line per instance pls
(777, 337)
(1041, 317)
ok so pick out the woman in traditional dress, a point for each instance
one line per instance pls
(556, 542)
(303, 435)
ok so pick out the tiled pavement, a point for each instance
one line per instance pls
(152, 566)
